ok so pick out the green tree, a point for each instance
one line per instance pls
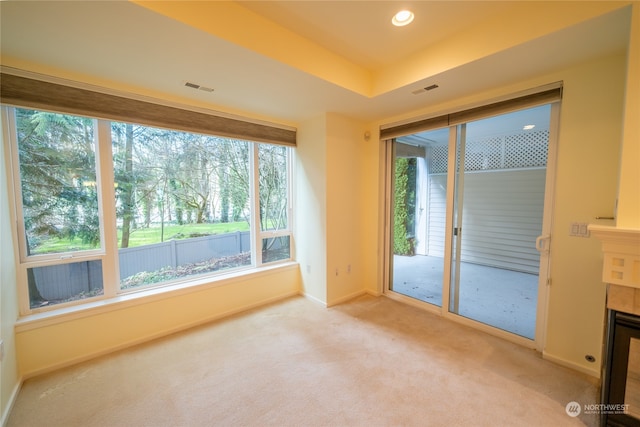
(58, 177)
(273, 187)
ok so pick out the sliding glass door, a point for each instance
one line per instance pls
(420, 198)
(468, 218)
(498, 215)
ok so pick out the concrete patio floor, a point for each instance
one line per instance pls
(500, 298)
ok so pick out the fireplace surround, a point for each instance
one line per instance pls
(620, 397)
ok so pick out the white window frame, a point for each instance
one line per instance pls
(108, 251)
(259, 235)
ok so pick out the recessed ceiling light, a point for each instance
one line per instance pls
(528, 127)
(402, 18)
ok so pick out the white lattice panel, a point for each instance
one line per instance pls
(439, 158)
(483, 154)
(526, 150)
(516, 151)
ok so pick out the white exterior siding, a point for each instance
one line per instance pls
(502, 217)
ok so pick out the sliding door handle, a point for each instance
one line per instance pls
(543, 243)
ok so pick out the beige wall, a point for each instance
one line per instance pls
(310, 202)
(330, 233)
(43, 346)
(586, 187)
(628, 215)
(345, 209)
(9, 377)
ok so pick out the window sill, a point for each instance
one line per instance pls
(145, 296)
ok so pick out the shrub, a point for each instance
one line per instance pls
(402, 207)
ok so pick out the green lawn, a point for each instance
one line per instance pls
(147, 236)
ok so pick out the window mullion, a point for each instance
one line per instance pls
(290, 191)
(15, 178)
(11, 154)
(254, 191)
(106, 201)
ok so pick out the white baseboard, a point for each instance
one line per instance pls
(346, 298)
(595, 372)
(341, 299)
(312, 298)
(10, 403)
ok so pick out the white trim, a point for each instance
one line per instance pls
(423, 305)
(567, 364)
(11, 402)
(455, 207)
(544, 274)
(15, 202)
(621, 250)
(490, 330)
(479, 326)
(387, 198)
(314, 299)
(106, 202)
(444, 313)
(22, 291)
(144, 296)
(346, 298)
(254, 197)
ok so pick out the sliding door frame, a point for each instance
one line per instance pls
(544, 273)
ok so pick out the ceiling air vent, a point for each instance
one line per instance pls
(197, 86)
(424, 89)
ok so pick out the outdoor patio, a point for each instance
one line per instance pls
(498, 297)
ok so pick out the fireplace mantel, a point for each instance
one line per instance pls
(621, 249)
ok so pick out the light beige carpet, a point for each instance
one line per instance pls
(369, 362)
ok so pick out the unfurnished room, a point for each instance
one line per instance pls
(319, 213)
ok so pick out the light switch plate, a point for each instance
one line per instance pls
(579, 229)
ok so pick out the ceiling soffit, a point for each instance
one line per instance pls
(234, 23)
(238, 23)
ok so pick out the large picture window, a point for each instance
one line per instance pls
(161, 207)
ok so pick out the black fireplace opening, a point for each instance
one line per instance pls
(621, 372)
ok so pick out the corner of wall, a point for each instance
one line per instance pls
(586, 182)
(310, 231)
(10, 380)
(628, 214)
(337, 207)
